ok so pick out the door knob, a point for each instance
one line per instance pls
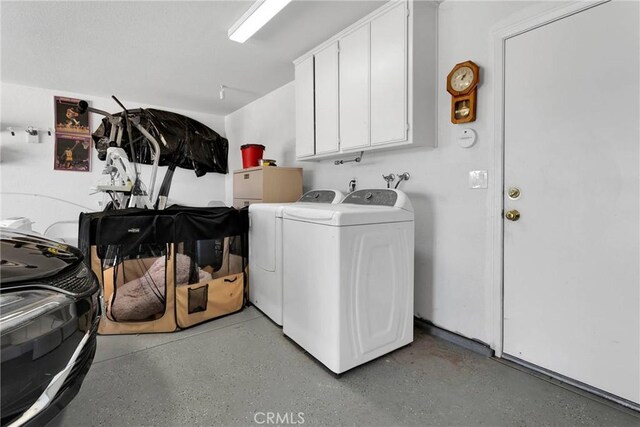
(512, 215)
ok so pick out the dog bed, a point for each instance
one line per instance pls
(144, 298)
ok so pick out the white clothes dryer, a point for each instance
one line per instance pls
(265, 250)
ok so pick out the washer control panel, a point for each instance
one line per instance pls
(374, 197)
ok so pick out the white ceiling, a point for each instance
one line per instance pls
(170, 53)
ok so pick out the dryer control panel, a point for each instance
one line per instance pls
(321, 196)
(375, 197)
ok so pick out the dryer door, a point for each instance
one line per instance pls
(262, 240)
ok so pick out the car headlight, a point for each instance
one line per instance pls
(18, 308)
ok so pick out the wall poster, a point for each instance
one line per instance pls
(72, 150)
(72, 153)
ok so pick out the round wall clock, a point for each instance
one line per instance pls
(462, 84)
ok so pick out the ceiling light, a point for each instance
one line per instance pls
(253, 19)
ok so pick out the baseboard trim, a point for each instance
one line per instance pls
(457, 339)
(571, 384)
(521, 365)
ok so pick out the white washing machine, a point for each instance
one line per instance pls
(265, 250)
(348, 277)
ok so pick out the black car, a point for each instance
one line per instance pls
(49, 313)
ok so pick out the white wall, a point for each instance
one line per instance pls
(28, 168)
(453, 238)
(452, 222)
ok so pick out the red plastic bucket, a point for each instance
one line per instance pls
(251, 155)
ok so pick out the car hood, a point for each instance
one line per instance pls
(26, 257)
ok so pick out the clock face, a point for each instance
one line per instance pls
(462, 79)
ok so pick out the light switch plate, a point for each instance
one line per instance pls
(478, 179)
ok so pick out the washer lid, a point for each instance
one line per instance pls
(345, 214)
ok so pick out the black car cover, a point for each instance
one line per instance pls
(184, 142)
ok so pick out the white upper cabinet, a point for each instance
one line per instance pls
(305, 110)
(327, 107)
(371, 80)
(389, 76)
(354, 89)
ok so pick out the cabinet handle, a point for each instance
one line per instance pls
(246, 176)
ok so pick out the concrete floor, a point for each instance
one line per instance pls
(232, 370)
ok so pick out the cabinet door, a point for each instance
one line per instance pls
(354, 89)
(389, 76)
(305, 126)
(326, 74)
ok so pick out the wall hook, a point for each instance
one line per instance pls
(30, 130)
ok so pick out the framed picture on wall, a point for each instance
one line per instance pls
(72, 153)
(68, 121)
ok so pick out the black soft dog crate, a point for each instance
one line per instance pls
(166, 269)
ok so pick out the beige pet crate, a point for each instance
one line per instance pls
(169, 269)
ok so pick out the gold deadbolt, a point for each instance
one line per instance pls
(513, 215)
(514, 193)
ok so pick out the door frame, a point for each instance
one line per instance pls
(535, 17)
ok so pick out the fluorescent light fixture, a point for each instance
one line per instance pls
(253, 19)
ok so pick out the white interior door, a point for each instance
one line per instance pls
(571, 261)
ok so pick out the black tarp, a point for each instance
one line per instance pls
(130, 229)
(189, 143)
